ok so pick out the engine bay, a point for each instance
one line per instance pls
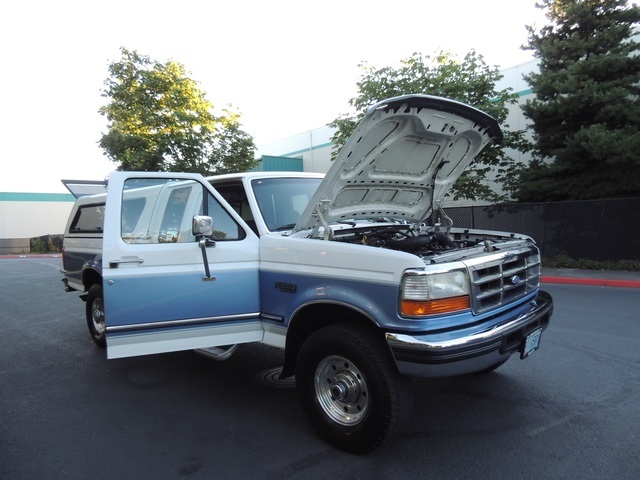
(427, 242)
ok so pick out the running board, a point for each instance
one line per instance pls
(218, 353)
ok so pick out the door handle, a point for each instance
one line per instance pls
(118, 262)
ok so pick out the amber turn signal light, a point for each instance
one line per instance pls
(433, 307)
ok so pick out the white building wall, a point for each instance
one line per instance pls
(314, 147)
(26, 219)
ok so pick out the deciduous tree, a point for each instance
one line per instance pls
(469, 80)
(160, 120)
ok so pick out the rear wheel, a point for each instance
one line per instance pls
(350, 389)
(95, 315)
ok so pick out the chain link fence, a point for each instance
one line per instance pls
(601, 230)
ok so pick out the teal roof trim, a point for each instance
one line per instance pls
(272, 163)
(36, 197)
(521, 93)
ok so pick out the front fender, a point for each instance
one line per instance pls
(285, 295)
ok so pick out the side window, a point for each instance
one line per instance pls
(236, 196)
(224, 226)
(175, 226)
(131, 212)
(161, 211)
(88, 219)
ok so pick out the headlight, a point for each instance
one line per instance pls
(431, 294)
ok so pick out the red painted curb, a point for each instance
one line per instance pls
(32, 255)
(599, 282)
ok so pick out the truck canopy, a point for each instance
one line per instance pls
(82, 188)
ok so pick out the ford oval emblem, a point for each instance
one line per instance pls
(515, 279)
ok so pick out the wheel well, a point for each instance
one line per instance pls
(90, 277)
(312, 318)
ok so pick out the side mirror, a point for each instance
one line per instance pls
(202, 226)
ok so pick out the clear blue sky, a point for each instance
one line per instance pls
(287, 66)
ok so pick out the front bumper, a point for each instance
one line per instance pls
(427, 356)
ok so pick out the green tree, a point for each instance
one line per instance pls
(470, 81)
(160, 120)
(586, 114)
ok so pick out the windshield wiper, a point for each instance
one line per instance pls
(288, 226)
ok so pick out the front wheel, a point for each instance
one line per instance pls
(95, 315)
(350, 389)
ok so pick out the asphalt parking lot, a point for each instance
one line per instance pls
(569, 411)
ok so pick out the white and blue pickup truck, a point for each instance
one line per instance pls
(349, 273)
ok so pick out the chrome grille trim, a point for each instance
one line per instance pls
(503, 278)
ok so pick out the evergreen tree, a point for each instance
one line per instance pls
(586, 115)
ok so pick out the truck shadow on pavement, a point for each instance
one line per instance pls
(457, 407)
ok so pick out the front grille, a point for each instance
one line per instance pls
(499, 282)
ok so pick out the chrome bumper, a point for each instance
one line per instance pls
(421, 356)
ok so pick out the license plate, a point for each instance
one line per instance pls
(531, 343)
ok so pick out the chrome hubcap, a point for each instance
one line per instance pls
(341, 390)
(97, 316)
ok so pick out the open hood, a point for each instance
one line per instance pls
(401, 160)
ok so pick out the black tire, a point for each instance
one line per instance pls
(95, 315)
(350, 389)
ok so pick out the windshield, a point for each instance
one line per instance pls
(282, 200)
